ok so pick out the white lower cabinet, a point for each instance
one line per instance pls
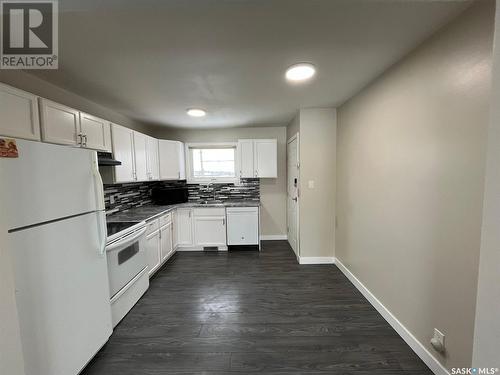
(159, 246)
(153, 251)
(184, 230)
(210, 227)
(166, 247)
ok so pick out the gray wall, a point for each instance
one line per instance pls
(30, 83)
(487, 329)
(411, 154)
(272, 190)
(317, 128)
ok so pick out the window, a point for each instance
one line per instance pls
(212, 162)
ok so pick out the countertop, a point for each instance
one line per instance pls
(150, 212)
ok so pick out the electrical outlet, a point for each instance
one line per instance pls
(111, 199)
(310, 184)
(437, 341)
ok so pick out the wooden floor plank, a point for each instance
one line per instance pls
(251, 312)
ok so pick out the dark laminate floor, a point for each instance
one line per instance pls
(250, 312)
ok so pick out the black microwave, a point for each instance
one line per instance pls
(169, 195)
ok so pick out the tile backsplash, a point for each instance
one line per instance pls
(248, 189)
(121, 197)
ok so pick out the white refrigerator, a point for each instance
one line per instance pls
(53, 227)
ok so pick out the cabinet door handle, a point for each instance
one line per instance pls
(224, 221)
(85, 140)
(79, 138)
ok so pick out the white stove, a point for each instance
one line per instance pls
(127, 266)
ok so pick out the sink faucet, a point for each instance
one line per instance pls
(209, 187)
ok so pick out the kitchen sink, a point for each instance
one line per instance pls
(210, 202)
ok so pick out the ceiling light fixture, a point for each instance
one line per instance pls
(300, 72)
(196, 112)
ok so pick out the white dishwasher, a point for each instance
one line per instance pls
(242, 226)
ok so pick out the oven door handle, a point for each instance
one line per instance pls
(126, 241)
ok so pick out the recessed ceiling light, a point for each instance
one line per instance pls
(300, 72)
(196, 112)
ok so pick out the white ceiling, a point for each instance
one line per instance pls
(152, 59)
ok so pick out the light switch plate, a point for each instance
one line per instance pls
(310, 184)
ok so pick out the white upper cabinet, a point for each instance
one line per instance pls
(172, 165)
(153, 167)
(141, 156)
(96, 132)
(265, 158)
(123, 150)
(245, 152)
(258, 158)
(67, 126)
(18, 114)
(138, 154)
(60, 124)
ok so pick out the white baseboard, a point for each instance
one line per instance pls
(316, 260)
(273, 237)
(426, 356)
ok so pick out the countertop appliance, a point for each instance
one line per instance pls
(169, 195)
(243, 226)
(52, 224)
(127, 266)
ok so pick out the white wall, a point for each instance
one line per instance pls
(272, 190)
(317, 128)
(410, 161)
(487, 328)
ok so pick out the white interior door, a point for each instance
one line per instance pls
(293, 192)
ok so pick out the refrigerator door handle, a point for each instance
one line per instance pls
(99, 192)
(102, 232)
(99, 188)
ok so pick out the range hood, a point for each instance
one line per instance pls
(106, 159)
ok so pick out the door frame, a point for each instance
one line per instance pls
(293, 138)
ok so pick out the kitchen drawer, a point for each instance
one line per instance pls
(165, 219)
(210, 211)
(153, 226)
(254, 210)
